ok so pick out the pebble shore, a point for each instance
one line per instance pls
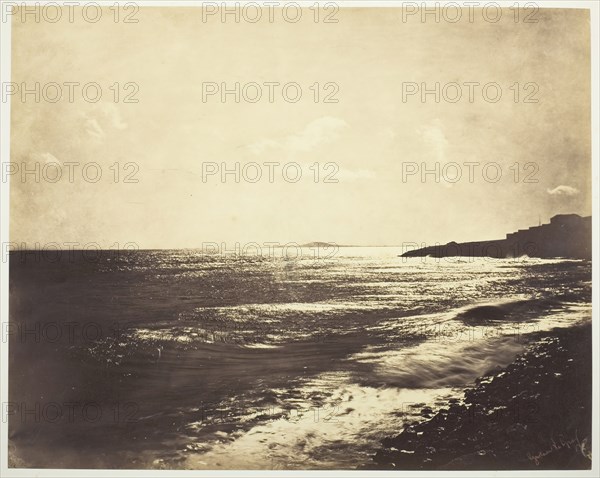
(534, 414)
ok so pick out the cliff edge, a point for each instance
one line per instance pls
(567, 235)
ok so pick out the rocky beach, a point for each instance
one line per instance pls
(267, 364)
(535, 413)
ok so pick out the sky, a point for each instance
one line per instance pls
(369, 140)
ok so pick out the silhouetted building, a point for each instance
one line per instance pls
(567, 235)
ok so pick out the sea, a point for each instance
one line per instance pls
(183, 359)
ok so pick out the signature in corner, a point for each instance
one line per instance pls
(572, 443)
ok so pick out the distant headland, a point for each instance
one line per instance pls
(567, 235)
(323, 245)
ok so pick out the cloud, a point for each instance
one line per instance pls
(433, 135)
(320, 131)
(563, 191)
(93, 128)
(262, 145)
(112, 115)
(388, 133)
(106, 116)
(354, 174)
(47, 158)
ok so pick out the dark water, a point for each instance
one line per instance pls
(178, 359)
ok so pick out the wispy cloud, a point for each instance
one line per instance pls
(112, 115)
(93, 128)
(105, 116)
(354, 175)
(320, 131)
(433, 135)
(47, 158)
(563, 190)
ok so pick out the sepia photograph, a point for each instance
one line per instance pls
(270, 238)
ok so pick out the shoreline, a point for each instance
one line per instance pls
(533, 414)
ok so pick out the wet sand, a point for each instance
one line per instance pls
(535, 413)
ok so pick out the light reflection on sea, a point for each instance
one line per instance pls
(267, 362)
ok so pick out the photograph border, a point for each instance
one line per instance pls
(5, 76)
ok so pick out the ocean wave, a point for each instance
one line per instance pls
(518, 309)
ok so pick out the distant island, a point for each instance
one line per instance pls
(321, 244)
(567, 235)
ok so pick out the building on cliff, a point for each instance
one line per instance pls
(567, 235)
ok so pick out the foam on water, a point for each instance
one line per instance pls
(340, 432)
(357, 338)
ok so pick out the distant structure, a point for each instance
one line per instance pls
(567, 235)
